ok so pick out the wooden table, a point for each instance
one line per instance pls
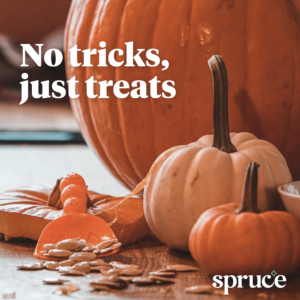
(43, 164)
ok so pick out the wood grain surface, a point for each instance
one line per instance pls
(150, 254)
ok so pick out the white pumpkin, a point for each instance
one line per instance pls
(209, 173)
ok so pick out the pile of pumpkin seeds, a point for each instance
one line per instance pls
(80, 258)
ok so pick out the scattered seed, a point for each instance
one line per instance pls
(127, 278)
(165, 274)
(9, 296)
(181, 268)
(67, 263)
(123, 266)
(81, 245)
(51, 265)
(72, 272)
(116, 246)
(96, 251)
(83, 256)
(68, 288)
(131, 272)
(69, 244)
(107, 282)
(88, 247)
(115, 263)
(99, 262)
(106, 250)
(161, 278)
(66, 268)
(105, 244)
(82, 267)
(143, 280)
(60, 253)
(43, 252)
(111, 272)
(30, 267)
(100, 268)
(198, 289)
(54, 281)
(100, 287)
(112, 282)
(49, 247)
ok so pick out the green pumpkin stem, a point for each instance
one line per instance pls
(249, 198)
(220, 111)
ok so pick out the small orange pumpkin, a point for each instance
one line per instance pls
(232, 240)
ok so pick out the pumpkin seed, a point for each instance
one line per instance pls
(54, 280)
(123, 266)
(111, 272)
(99, 268)
(143, 280)
(131, 272)
(51, 265)
(198, 289)
(165, 274)
(116, 246)
(35, 266)
(72, 272)
(81, 245)
(82, 267)
(111, 281)
(107, 282)
(71, 244)
(83, 256)
(89, 247)
(181, 268)
(105, 244)
(98, 262)
(161, 278)
(100, 287)
(68, 244)
(67, 263)
(66, 268)
(60, 253)
(106, 250)
(127, 278)
(49, 247)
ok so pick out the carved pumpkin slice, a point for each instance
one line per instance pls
(82, 225)
(26, 211)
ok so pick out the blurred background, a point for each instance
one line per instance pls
(40, 140)
(31, 21)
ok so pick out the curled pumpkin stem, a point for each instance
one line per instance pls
(142, 184)
(221, 139)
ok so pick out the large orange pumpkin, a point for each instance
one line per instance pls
(259, 40)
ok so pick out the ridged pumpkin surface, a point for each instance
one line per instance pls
(259, 40)
(24, 213)
(223, 242)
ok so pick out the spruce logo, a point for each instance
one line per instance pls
(254, 283)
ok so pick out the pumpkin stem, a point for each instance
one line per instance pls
(220, 111)
(249, 198)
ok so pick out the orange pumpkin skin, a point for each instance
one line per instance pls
(128, 134)
(225, 243)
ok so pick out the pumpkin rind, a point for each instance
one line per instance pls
(128, 134)
(197, 177)
(224, 243)
(24, 213)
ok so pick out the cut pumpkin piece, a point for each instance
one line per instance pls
(25, 213)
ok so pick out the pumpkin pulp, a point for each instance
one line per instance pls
(221, 139)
